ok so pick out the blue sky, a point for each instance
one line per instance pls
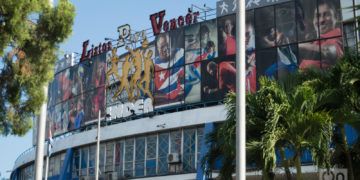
(96, 20)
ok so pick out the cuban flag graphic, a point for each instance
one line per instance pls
(170, 82)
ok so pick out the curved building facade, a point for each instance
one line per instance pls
(159, 99)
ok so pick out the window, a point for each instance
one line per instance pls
(109, 160)
(163, 150)
(175, 142)
(84, 157)
(151, 142)
(129, 157)
(200, 142)
(189, 150)
(119, 157)
(92, 154)
(139, 156)
(76, 163)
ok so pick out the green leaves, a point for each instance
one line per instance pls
(29, 47)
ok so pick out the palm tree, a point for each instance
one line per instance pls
(295, 124)
(338, 89)
(278, 117)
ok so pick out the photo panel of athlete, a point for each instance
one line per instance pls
(209, 81)
(88, 97)
(78, 79)
(57, 88)
(162, 53)
(162, 83)
(51, 94)
(208, 40)
(98, 76)
(266, 63)
(177, 53)
(226, 75)
(57, 123)
(250, 53)
(266, 33)
(176, 85)
(226, 28)
(287, 60)
(331, 51)
(193, 83)
(65, 116)
(97, 103)
(305, 16)
(309, 55)
(285, 23)
(192, 43)
(65, 84)
(87, 67)
(76, 113)
(50, 117)
(328, 23)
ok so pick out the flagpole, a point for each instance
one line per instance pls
(240, 92)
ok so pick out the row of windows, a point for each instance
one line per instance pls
(142, 156)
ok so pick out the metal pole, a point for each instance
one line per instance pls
(47, 166)
(240, 92)
(39, 161)
(97, 149)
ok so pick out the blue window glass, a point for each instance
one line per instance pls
(140, 156)
(163, 151)
(119, 158)
(76, 164)
(84, 161)
(151, 142)
(189, 150)
(129, 157)
(175, 140)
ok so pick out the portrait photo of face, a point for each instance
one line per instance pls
(326, 21)
(266, 33)
(226, 35)
(304, 19)
(208, 40)
(285, 23)
(177, 53)
(192, 43)
(162, 54)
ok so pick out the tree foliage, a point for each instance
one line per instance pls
(30, 34)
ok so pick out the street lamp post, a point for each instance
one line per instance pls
(240, 92)
(97, 147)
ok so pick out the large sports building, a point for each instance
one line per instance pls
(159, 92)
